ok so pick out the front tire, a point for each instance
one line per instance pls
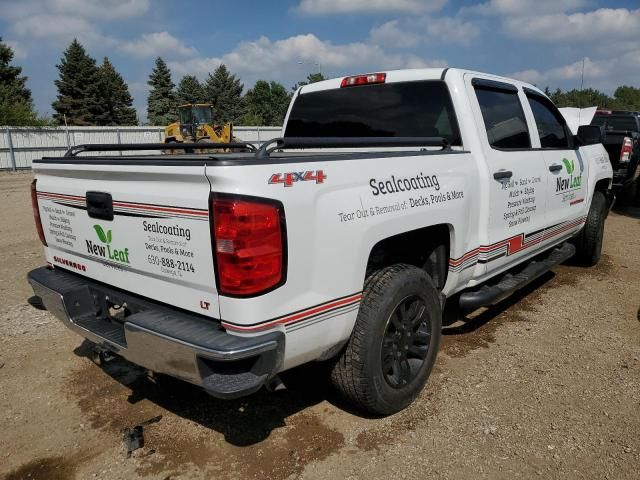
(589, 241)
(394, 343)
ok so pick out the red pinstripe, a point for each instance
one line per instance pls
(296, 316)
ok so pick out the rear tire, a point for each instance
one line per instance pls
(394, 343)
(589, 241)
(632, 196)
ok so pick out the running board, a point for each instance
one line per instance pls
(511, 282)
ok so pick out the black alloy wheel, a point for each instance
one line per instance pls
(406, 341)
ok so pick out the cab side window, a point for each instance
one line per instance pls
(504, 118)
(551, 125)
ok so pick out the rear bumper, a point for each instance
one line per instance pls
(623, 177)
(162, 339)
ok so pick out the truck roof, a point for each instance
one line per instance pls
(415, 74)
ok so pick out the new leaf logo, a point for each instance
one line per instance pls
(569, 165)
(571, 183)
(104, 238)
(105, 250)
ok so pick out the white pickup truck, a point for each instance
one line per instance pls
(387, 194)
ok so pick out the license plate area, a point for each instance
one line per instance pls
(107, 318)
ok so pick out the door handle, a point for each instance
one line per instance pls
(555, 168)
(502, 174)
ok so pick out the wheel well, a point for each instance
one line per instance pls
(426, 248)
(602, 185)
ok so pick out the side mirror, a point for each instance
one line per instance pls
(590, 134)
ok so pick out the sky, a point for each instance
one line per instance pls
(540, 41)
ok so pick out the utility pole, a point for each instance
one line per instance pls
(581, 84)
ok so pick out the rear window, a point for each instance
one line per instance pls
(612, 122)
(408, 109)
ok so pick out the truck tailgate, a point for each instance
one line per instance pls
(613, 144)
(138, 227)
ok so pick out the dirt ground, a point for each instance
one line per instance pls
(546, 385)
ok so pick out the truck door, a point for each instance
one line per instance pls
(517, 174)
(567, 170)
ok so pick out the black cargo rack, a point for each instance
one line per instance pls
(121, 147)
(281, 143)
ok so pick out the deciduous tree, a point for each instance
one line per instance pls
(311, 78)
(266, 104)
(627, 98)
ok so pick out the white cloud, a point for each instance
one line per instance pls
(19, 52)
(410, 32)
(392, 34)
(156, 44)
(604, 73)
(293, 58)
(97, 9)
(528, 8)
(100, 9)
(59, 21)
(529, 76)
(602, 25)
(328, 7)
(60, 29)
(199, 66)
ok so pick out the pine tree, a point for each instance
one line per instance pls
(79, 96)
(161, 104)
(115, 98)
(224, 91)
(10, 75)
(266, 104)
(189, 91)
(16, 105)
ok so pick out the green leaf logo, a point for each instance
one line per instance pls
(104, 237)
(570, 166)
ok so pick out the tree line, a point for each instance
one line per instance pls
(265, 103)
(92, 94)
(97, 95)
(624, 98)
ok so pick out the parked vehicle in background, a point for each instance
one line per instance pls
(387, 194)
(622, 142)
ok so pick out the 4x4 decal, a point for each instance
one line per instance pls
(289, 178)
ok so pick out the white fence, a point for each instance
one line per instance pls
(20, 145)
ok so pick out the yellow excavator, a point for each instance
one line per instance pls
(195, 125)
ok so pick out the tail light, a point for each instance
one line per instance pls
(627, 150)
(249, 238)
(368, 79)
(36, 212)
